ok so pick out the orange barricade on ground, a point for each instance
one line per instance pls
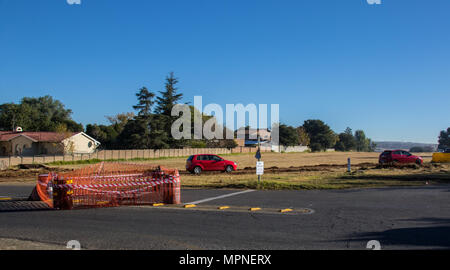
(43, 190)
(113, 184)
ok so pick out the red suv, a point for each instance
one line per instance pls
(198, 163)
(399, 157)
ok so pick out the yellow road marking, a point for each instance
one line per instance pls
(190, 206)
(5, 199)
(103, 202)
(286, 210)
(224, 207)
(255, 209)
(158, 204)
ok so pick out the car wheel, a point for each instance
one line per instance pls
(395, 163)
(419, 162)
(229, 169)
(197, 170)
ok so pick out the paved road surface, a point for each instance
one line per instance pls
(400, 218)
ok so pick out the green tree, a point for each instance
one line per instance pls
(363, 144)
(163, 118)
(136, 134)
(145, 102)
(106, 135)
(444, 139)
(37, 114)
(346, 141)
(320, 134)
(303, 136)
(169, 97)
(288, 135)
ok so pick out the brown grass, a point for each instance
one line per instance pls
(301, 171)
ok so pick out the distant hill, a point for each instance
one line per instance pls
(381, 146)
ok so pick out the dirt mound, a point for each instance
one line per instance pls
(312, 168)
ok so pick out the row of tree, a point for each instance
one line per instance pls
(444, 139)
(150, 127)
(319, 137)
(38, 114)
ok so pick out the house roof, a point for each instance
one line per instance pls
(54, 137)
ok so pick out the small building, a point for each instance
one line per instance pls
(18, 143)
(250, 136)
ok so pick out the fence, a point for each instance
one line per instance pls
(109, 185)
(124, 155)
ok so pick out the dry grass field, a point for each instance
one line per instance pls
(288, 171)
(280, 160)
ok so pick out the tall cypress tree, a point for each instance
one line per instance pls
(169, 97)
(164, 104)
(145, 102)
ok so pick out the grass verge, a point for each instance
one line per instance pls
(292, 181)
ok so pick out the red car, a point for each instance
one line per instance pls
(198, 163)
(399, 157)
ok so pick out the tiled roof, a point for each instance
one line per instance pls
(37, 136)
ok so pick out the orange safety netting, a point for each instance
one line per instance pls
(43, 190)
(114, 184)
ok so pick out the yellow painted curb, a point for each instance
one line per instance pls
(103, 202)
(224, 207)
(190, 206)
(5, 199)
(286, 210)
(158, 204)
(255, 209)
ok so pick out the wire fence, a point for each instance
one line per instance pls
(111, 155)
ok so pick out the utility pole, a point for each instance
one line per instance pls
(259, 164)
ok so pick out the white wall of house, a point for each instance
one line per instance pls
(281, 148)
(80, 144)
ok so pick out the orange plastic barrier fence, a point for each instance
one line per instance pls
(114, 184)
(43, 190)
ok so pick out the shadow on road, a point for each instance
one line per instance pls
(23, 206)
(437, 235)
(439, 177)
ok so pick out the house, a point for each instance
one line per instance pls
(18, 143)
(251, 136)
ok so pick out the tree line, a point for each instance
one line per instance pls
(320, 137)
(150, 126)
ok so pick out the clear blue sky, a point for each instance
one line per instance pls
(381, 68)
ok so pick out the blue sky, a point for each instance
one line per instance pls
(381, 68)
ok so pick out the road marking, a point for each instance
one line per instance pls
(286, 210)
(255, 209)
(158, 204)
(190, 205)
(221, 197)
(224, 207)
(5, 199)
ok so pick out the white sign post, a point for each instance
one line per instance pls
(260, 168)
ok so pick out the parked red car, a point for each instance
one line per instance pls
(198, 163)
(399, 157)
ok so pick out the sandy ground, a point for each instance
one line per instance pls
(16, 244)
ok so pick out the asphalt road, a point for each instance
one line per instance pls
(399, 218)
